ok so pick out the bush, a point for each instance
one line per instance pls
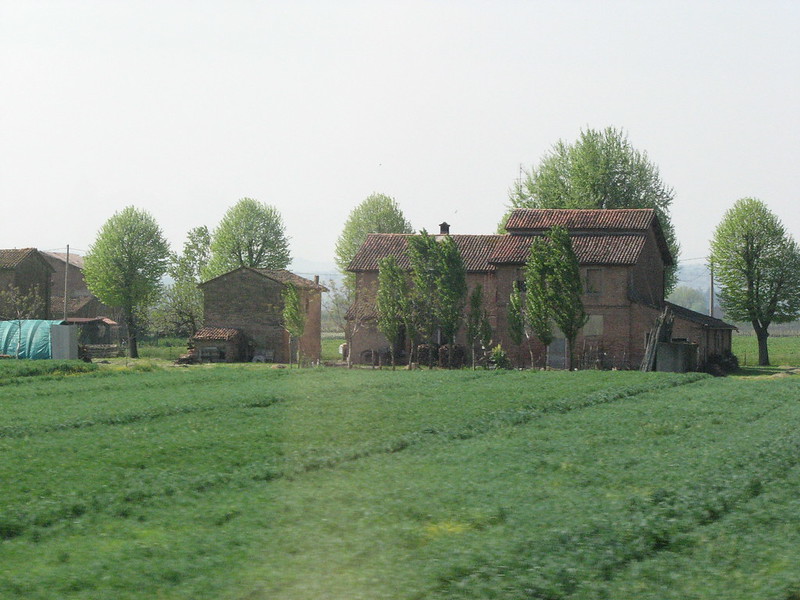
(499, 359)
(456, 361)
(427, 354)
(721, 364)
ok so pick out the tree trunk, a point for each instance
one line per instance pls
(763, 352)
(133, 347)
(568, 357)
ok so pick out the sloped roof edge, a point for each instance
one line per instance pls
(281, 276)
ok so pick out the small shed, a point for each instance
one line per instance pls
(219, 344)
(37, 339)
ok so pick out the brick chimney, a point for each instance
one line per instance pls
(444, 228)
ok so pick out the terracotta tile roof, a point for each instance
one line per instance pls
(475, 251)
(590, 249)
(481, 252)
(10, 258)
(216, 333)
(525, 220)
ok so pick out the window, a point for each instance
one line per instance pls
(594, 326)
(594, 282)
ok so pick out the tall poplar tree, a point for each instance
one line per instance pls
(554, 289)
(392, 302)
(294, 317)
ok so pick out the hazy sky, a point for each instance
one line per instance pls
(182, 108)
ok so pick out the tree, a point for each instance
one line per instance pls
(378, 213)
(452, 295)
(190, 264)
(392, 301)
(539, 290)
(567, 304)
(439, 287)
(479, 330)
(179, 311)
(600, 170)
(517, 320)
(757, 266)
(423, 254)
(124, 266)
(691, 298)
(294, 317)
(554, 289)
(251, 234)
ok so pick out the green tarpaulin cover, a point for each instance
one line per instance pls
(32, 339)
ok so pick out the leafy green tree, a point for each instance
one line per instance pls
(378, 213)
(124, 266)
(294, 317)
(190, 264)
(479, 329)
(539, 292)
(554, 289)
(567, 302)
(251, 234)
(179, 310)
(452, 286)
(517, 320)
(600, 170)
(691, 298)
(439, 287)
(392, 301)
(757, 266)
(423, 254)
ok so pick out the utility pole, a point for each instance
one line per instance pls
(66, 276)
(711, 290)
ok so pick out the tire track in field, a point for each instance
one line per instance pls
(574, 562)
(11, 431)
(122, 501)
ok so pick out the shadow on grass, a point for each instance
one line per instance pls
(761, 371)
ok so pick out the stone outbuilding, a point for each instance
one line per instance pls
(622, 255)
(250, 301)
(219, 344)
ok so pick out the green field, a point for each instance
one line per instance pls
(783, 350)
(253, 482)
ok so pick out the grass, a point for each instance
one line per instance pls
(782, 350)
(12, 369)
(163, 348)
(330, 348)
(252, 482)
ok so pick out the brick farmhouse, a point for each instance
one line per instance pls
(249, 302)
(622, 255)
